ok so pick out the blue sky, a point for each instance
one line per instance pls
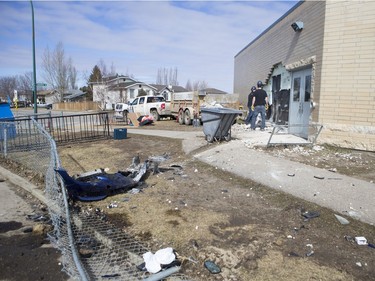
(198, 38)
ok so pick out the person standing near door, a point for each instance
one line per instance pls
(259, 105)
(249, 105)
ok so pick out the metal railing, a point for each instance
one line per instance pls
(91, 247)
(294, 134)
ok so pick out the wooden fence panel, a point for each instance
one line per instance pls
(77, 106)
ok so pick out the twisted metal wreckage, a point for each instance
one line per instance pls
(97, 184)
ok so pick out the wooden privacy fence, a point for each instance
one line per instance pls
(77, 106)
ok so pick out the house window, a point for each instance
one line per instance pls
(131, 94)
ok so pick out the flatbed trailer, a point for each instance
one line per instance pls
(186, 106)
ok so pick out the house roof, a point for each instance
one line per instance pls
(212, 91)
(45, 92)
(175, 89)
(125, 85)
(73, 94)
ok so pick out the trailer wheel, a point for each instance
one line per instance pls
(187, 118)
(209, 138)
(228, 137)
(181, 117)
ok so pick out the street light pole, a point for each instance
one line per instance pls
(34, 67)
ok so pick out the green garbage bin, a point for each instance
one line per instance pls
(217, 123)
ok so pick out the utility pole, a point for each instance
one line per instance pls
(34, 67)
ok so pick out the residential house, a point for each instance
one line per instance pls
(119, 88)
(53, 96)
(74, 96)
(318, 64)
(167, 91)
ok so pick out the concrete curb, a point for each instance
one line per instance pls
(21, 182)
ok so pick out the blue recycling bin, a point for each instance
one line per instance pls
(7, 127)
(120, 134)
(217, 123)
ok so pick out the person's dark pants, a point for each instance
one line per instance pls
(249, 117)
(262, 110)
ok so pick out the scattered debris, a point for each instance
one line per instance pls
(112, 205)
(134, 191)
(111, 275)
(310, 252)
(212, 267)
(291, 175)
(98, 184)
(361, 240)
(359, 264)
(161, 258)
(37, 217)
(333, 170)
(95, 187)
(349, 238)
(156, 160)
(341, 219)
(319, 177)
(310, 215)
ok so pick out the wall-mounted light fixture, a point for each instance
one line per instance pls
(297, 26)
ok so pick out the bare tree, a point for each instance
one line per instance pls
(7, 86)
(199, 85)
(57, 69)
(167, 76)
(25, 84)
(113, 70)
(103, 68)
(72, 74)
(188, 86)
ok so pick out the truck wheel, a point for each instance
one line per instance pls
(155, 115)
(209, 138)
(187, 118)
(181, 117)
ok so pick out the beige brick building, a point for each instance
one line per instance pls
(325, 66)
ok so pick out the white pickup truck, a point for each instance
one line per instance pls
(156, 106)
(121, 110)
(43, 105)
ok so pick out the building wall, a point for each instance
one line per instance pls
(281, 44)
(347, 105)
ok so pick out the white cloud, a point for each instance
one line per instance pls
(199, 38)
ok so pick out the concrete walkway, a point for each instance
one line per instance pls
(340, 193)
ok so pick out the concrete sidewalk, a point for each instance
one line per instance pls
(340, 193)
(343, 194)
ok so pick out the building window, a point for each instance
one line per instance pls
(296, 88)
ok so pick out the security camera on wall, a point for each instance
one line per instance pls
(297, 26)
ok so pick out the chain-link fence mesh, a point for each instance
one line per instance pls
(91, 247)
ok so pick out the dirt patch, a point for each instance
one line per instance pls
(249, 230)
(25, 251)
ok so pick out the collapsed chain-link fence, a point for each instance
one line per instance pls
(91, 247)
